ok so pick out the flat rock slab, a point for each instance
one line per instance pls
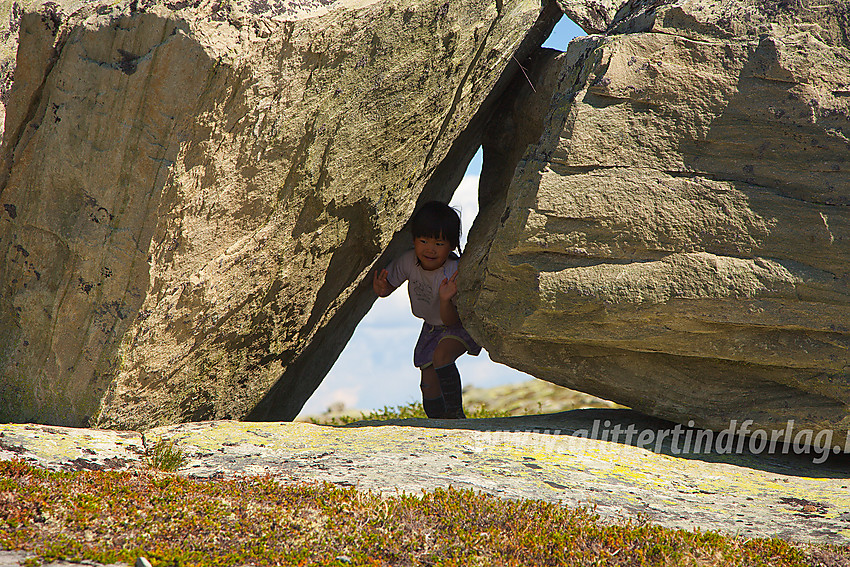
(536, 457)
(69, 448)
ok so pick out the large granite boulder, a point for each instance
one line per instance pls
(193, 192)
(678, 238)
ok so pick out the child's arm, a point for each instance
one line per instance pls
(448, 311)
(380, 284)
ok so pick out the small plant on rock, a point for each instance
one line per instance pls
(164, 456)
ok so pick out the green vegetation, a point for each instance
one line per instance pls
(117, 516)
(164, 456)
(408, 411)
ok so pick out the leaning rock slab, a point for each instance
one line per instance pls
(191, 192)
(678, 240)
(593, 16)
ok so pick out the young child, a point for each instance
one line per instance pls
(430, 270)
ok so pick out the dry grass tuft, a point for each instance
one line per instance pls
(164, 456)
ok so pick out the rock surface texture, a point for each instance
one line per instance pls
(192, 192)
(535, 457)
(678, 240)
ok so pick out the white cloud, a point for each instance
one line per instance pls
(466, 201)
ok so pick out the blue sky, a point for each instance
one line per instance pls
(376, 368)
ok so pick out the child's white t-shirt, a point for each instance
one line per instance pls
(423, 286)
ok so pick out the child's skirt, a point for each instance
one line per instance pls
(430, 337)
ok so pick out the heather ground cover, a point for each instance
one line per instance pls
(111, 516)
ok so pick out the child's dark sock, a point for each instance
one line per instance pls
(452, 394)
(434, 407)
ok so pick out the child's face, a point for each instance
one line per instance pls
(431, 252)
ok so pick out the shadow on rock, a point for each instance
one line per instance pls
(804, 454)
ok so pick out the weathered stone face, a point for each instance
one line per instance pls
(593, 16)
(679, 238)
(192, 193)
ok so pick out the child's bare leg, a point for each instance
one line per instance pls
(430, 384)
(432, 396)
(447, 351)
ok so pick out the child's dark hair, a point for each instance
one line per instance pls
(437, 220)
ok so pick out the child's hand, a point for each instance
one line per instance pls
(448, 288)
(380, 284)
